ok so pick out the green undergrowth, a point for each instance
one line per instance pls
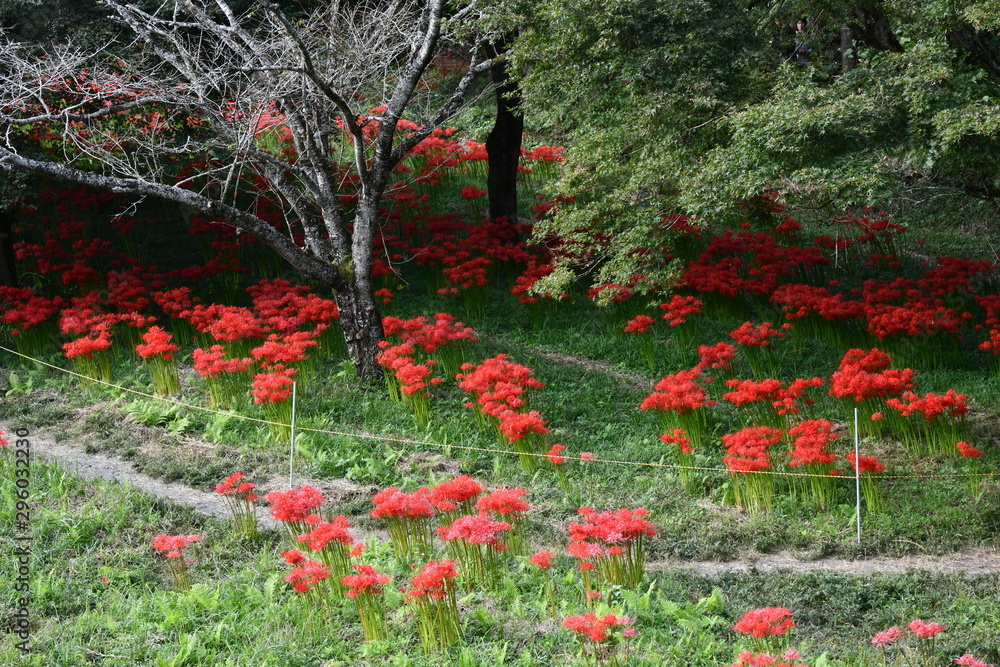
(100, 596)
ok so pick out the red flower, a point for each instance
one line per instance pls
(172, 546)
(639, 324)
(679, 308)
(542, 559)
(295, 505)
(678, 438)
(679, 392)
(307, 575)
(765, 622)
(755, 336)
(325, 532)
(234, 486)
(391, 502)
(474, 529)
(435, 580)
(273, 386)
(366, 581)
(448, 495)
(156, 342)
(867, 464)
(924, 630)
(504, 501)
(554, 455)
(886, 636)
(595, 628)
(748, 449)
(968, 451)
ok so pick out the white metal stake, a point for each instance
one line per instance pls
(291, 444)
(857, 473)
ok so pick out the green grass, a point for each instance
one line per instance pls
(240, 613)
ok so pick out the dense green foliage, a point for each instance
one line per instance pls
(688, 108)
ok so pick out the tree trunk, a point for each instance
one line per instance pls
(8, 268)
(503, 145)
(872, 27)
(361, 322)
(848, 54)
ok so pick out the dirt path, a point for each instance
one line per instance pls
(101, 466)
(632, 379)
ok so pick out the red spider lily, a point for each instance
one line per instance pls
(407, 515)
(156, 342)
(886, 636)
(235, 486)
(595, 628)
(306, 576)
(210, 363)
(453, 494)
(173, 546)
(639, 324)
(865, 464)
(866, 375)
(967, 451)
(679, 392)
(555, 456)
(971, 661)
(504, 502)
(809, 442)
(285, 349)
(240, 498)
(474, 529)
(500, 390)
(286, 307)
(508, 504)
(273, 386)
(748, 454)
(679, 308)
(678, 438)
(227, 323)
(524, 283)
(798, 301)
(751, 659)
(472, 192)
(365, 588)
(176, 303)
(756, 336)
(391, 502)
(616, 540)
(931, 405)
(765, 622)
(748, 448)
(295, 506)
(749, 391)
(925, 630)
(718, 356)
(88, 346)
(432, 591)
(327, 532)
(366, 582)
(542, 560)
(435, 580)
(294, 557)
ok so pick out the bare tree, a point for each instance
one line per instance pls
(212, 85)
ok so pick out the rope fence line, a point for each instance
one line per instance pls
(411, 441)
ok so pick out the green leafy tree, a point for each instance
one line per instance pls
(691, 107)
